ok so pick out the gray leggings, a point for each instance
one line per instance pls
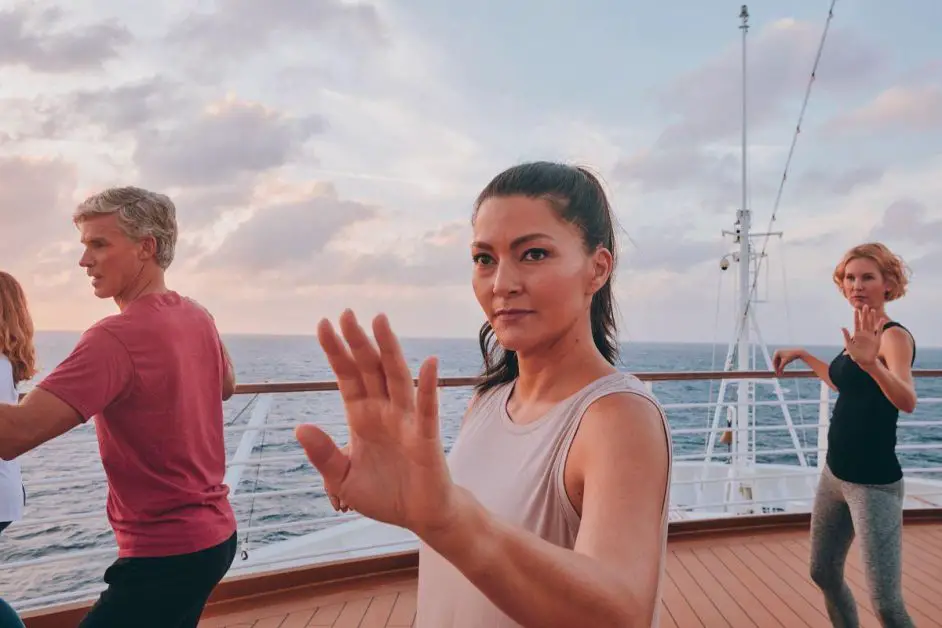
(875, 511)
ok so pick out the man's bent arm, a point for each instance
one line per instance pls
(228, 375)
(97, 372)
(40, 417)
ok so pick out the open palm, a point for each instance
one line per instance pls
(394, 469)
(864, 345)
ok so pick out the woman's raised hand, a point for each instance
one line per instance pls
(394, 468)
(864, 345)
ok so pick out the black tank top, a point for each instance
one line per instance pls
(862, 434)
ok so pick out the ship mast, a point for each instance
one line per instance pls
(744, 219)
(747, 342)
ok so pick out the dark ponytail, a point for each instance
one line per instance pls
(579, 198)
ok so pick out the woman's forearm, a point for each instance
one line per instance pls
(819, 367)
(533, 581)
(900, 393)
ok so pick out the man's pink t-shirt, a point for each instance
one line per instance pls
(152, 378)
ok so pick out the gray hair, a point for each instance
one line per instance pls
(141, 213)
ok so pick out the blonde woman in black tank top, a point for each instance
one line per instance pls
(861, 486)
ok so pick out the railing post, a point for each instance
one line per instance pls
(824, 420)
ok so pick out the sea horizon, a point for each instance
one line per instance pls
(621, 341)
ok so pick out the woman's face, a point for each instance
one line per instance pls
(864, 284)
(532, 275)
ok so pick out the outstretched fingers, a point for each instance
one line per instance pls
(341, 362)
(365, 355)
(869, 319)
(426, 401)
(398, 378)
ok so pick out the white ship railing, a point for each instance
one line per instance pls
(688, 490)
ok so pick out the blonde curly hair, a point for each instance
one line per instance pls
(894, 270)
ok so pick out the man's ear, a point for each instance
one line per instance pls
(148, 249)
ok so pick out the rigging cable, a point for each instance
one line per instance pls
(716, 325)
(242, 411)
(788, 328)
(230, 423)
(261, 454)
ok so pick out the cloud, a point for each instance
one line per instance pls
(669, 251)
(840, 183)
(36, 197)
(433, 154)
(128, 107)
(672, 169)
(208, 157)
(43, 41)
(908, 220)
(439, 257)
(239, 28)
(780, 58)
(198, 206)
(900, 209)
(25, 120)
(118, 110)
(694, 179)
(227, 140)
(287, 240)
(699, 147)
(901, 108)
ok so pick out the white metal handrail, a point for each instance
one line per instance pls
(73, 480)
(261, 426)
(290, 425)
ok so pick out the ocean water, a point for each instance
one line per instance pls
(64, 479)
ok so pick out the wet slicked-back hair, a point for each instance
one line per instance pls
(577, 195)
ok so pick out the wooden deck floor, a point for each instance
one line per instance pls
(746, 580)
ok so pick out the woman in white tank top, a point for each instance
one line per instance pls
(17, 363)
(551, 509)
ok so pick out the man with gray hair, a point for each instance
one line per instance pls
(154, 376)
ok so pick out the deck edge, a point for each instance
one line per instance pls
(250, 585)
(771, 523)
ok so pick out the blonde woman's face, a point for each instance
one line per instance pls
(864, 284)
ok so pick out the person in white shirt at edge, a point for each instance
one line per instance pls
(17, 364)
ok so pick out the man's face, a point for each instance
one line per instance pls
(111, 258)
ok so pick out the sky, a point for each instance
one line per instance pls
(325, 154)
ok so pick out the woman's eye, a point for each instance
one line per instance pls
(535, 255)
(481, 258)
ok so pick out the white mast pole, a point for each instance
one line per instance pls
(740, 436)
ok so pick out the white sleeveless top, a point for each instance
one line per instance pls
(11, 482)
(516, 471)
